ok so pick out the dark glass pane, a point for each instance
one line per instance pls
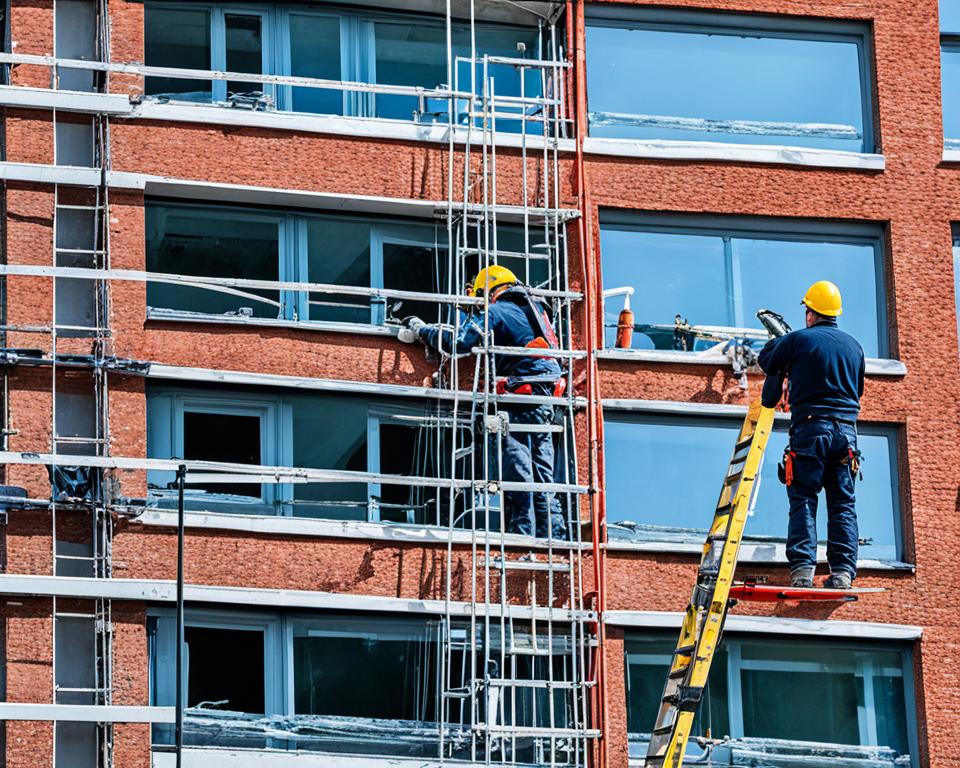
(205, 243)
(731, 87)
(408, 54)
(950, 76)
(370, 675)
(409, 267)
(225, 669)
(330, 434)
(222, 437)
(181, 39)
(339, 254)
(244, 50)
(315, 52)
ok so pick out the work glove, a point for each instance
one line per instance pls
(409, 333)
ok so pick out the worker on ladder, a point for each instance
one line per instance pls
(824, 367)
(516, 318)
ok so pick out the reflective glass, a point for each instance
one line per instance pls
(177, 38)
(725, 86)
(339, 254)
(408, 53)
(950, 16)
(950, 76)
(244, 50)
(712, 279)
(315, 52)
(212, 244)
(956, 282)
(679, 464)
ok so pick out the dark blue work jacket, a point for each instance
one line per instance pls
(824, 367)
(512, 325)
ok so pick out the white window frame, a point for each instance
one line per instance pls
(218, 41)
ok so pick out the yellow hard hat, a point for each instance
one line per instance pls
(492, 277)
(823, 297)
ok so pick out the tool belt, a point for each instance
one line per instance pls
(523, 385)
(853, 459)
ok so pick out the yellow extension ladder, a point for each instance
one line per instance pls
(707, 611)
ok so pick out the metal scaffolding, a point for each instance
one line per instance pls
(518, 669)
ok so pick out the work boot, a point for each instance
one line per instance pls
(839, 580)
(802, 578)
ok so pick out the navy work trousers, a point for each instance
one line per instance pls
(823, 449)
(528, 457)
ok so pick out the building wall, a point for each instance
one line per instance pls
(915, 198)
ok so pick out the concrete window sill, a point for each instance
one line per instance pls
(875, 366)
(734, 153)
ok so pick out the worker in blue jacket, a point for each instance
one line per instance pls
(824, 368)
(515, 318)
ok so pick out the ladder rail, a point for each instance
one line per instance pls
(702, 627)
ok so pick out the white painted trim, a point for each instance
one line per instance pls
(951, 155)
(422, 535)
(64, 101)
(334, 125)
(249, 378)
(876, 366)
(193, 189)
(194, 318)
(677, 408)
(213, 757)
(164, 591)
(709, 151)
(773, 553)
(86, 713)
(852, 630)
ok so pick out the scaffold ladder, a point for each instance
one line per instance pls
(706, 613)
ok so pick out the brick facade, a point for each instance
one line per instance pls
(915, 199)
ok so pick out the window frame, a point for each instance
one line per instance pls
(741, 25)
(864, 671)
(357, 47)
(671, 420)
(763, 228)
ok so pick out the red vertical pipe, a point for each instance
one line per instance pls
(590, 269)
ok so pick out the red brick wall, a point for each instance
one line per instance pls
(916, 198)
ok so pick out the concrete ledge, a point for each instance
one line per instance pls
(64, 101)
(86, 713)
(334, 125)
(708, 151)
(208, 757)
(876, 366)
(852, 630)
(164, 591)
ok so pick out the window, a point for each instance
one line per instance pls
(839, 694)
(956, 277)
(679, 463)
(950, 71)
(726, 78)
(252, 244)
(716, 272)
(367, 46)
(359, 435)
(338, 683)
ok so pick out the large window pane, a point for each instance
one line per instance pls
(177, 38)
(784, 699)
(225, 669)
(679, 464)
(315, 52)
(956, 280)
(223, 437)
(724, 84)
(365, 672)
(950, 75)
(210, 243)
(343, 427)
(244, 50)
(408, 54)
(339, 254)
(717, 278)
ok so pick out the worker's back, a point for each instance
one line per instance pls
(825, 367)
(512, 325)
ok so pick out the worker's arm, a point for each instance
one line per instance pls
(774, 360)
(441, 338)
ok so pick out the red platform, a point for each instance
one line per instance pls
(772, 593)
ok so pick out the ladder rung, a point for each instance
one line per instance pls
(743, 444)
(663, 729)
(685, 650)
